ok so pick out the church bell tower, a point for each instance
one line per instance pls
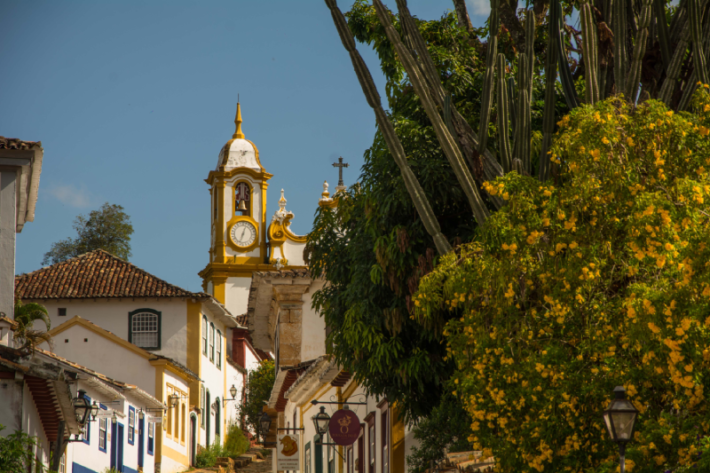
(238, 245)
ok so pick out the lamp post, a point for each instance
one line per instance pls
(94, 411)
(174, 399)
(620, 418)
(233, 392)
(265, 423)
(82, 408)
(320, 421)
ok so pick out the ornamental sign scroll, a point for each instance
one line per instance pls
(344, 427)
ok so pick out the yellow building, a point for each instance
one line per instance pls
(241, 240)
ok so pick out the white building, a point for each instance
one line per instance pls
(20, 168)
(176, 341)
(281, 319)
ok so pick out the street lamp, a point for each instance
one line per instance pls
(620, 418)
(265, 423)
(141, 415)
(233, 392)
(174, 399)
(94, 411)
(114, 418)
(82, 408)
(320, 421)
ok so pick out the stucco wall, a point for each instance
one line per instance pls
(313, 326)
(80, 344)
(112, 315)
(237, 295)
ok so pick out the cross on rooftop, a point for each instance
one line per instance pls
(340, 165)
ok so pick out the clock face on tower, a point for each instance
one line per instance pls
(243, 233)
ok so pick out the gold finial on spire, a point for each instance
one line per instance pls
(238, 121)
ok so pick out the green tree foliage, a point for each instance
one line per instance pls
(446, 429)
(373, 248)
(25, 316)
(16, 452)
(258, 390)
(108, 228)
(599, 281)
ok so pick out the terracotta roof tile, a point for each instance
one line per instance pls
(97, 274)
(15, 143)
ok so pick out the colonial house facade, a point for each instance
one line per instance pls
(308, 381)
(105, 311)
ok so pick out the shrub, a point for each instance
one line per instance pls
(208, 456)
(574, 288)
(236, 442)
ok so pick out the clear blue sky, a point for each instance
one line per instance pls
(133, 101)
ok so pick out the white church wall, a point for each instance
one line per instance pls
(104, 356)
(312, 326)
(237, 295)
(112, 315)
(294, 253)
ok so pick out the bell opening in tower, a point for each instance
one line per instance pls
(242, 199)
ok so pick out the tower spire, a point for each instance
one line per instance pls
(238, 121)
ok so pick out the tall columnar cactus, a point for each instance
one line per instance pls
(565, 74)
(483, 163)
(674, 67)
(548, 114)
(448, 145)
(634, 77)
(488, 81)
(503, 117)
(692, 83)
(590, 51)
(659, 12)
(421, 203)
(695, 17)
(522, 131)
(530, 49)
(619, 25)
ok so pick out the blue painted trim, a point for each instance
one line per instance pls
(103, 407)
(87, 439)
(127, 469)
(131, 432)
(76, 468)
(151, 440)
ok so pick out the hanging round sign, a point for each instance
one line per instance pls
(344, 427)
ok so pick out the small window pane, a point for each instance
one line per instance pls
(144, 330)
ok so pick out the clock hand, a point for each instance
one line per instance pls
(242, 237)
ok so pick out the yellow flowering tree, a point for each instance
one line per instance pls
(602, 279)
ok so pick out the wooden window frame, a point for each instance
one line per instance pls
(103, 421)
(160, 326)
(218, 343)
(131, 429)
(205, 336)
(371, 455)
(211, 350)
(87, 438)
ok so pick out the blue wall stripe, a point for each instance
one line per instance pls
(76, 468)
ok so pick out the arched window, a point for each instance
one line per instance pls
(212, 342)
(204, 335)
(208, 413)
(144, 328)
(217, 419)
(242, 198)
(219, 349)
